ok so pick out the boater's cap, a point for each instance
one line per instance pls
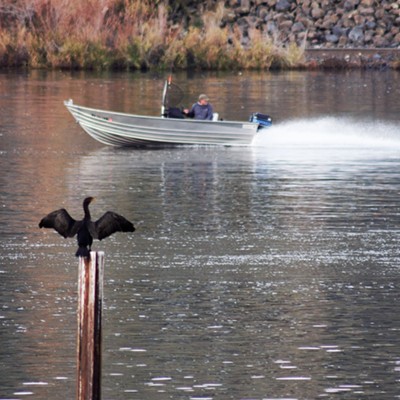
(203, 97)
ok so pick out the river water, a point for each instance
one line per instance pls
(261, 272)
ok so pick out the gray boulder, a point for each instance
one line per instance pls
(356, 35)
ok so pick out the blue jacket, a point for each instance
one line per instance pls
(201, 112)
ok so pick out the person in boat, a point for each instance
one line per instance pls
(200, 110)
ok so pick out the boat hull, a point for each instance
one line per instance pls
(122, 129)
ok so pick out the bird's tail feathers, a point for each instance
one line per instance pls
(83, 252)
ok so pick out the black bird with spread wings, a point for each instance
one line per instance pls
(86, 229)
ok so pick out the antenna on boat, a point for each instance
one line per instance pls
(172, 96)
(167, 84)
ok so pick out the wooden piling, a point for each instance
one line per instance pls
(90, 305)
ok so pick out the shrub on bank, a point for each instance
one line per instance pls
(130, 34)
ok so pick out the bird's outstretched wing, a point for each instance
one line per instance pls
(62, 222)
(111, 222)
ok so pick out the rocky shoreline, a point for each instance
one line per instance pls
(334, 34)
(320, 23)
(366, 58)
(201, 35)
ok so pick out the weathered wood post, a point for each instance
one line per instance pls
(90, 305)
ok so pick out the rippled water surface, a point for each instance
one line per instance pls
(262, 272)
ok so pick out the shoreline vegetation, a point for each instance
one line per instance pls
(153, 35)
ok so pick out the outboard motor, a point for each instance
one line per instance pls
(262, 119)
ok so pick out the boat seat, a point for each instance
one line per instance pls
(174, 112)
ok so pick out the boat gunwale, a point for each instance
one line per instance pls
(72, 105)
(126, 129)
(117, 128)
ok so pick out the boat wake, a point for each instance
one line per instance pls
(331, 133)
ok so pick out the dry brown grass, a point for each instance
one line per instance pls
(126, 34)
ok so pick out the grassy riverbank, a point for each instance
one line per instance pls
(130, 35)
(152, 34)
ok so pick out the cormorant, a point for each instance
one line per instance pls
(86, 229)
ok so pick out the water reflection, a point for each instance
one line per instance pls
(262, 272)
